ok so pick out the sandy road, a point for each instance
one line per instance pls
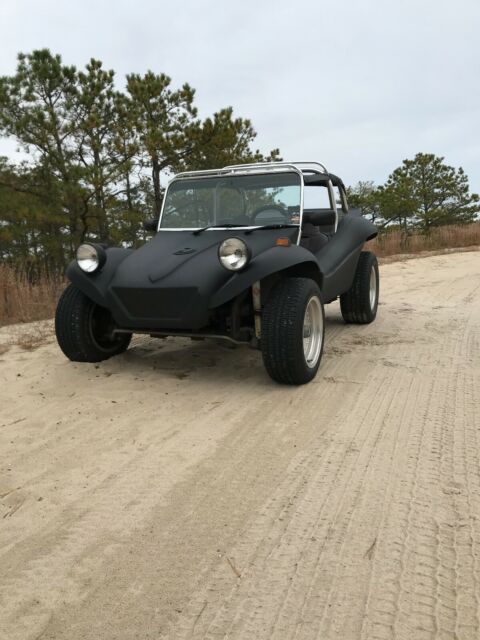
(176, 492)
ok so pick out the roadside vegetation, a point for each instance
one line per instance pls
(24, 298)
(98, 151)
(396, 242)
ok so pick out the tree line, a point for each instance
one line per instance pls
(97, 157)
(421, 194)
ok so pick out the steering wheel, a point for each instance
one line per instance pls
(274, 208)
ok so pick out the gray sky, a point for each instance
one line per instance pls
(357, 85)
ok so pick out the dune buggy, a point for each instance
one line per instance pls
(248, 253)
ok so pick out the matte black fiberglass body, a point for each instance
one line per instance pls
(175, 281)
(247, 253)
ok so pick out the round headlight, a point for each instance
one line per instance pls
(90, 257)
(234, 254)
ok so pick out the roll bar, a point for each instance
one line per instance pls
(298, 167)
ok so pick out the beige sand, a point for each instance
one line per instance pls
(176, 492)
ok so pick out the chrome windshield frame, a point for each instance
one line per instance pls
(258, 168)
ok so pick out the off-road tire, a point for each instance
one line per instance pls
(282, 331)
(355, 304)
(75, 328)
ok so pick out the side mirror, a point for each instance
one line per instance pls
(151, 224)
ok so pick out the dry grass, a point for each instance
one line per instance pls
(393, 243)
(24, 301)
(401, 257)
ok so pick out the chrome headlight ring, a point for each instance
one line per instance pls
(91, 257)
(234, 254)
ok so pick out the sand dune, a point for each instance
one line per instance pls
(176, 492)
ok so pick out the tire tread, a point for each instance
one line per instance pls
(355, 303)
(281, 327)
(72, 328)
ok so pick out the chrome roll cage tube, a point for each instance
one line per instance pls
(333, 202)
(300, 168)
(312, 167)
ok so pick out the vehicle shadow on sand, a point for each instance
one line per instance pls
(213, 359)
(182, 358)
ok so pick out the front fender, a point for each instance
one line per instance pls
(265, 264)
(95, 285)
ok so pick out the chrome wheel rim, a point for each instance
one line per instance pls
(312, 332)
(373, 288)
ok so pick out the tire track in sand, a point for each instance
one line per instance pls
(349, 508)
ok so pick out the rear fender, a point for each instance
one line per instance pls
(338, 260)
(95, 285)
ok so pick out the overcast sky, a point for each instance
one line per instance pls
(357, 85)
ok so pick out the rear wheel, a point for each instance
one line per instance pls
(84, 329)
(293, 329)
(359, 304)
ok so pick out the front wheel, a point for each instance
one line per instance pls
(359, 304)
(293, 329)
(84, 330)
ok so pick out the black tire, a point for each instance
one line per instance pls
(283, 330)
(82, 329)
(356, 304)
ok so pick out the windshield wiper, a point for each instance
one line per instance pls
(280, 225)
(226, 225)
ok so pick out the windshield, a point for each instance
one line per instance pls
(246, 201)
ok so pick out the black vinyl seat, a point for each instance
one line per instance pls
(312, 238)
